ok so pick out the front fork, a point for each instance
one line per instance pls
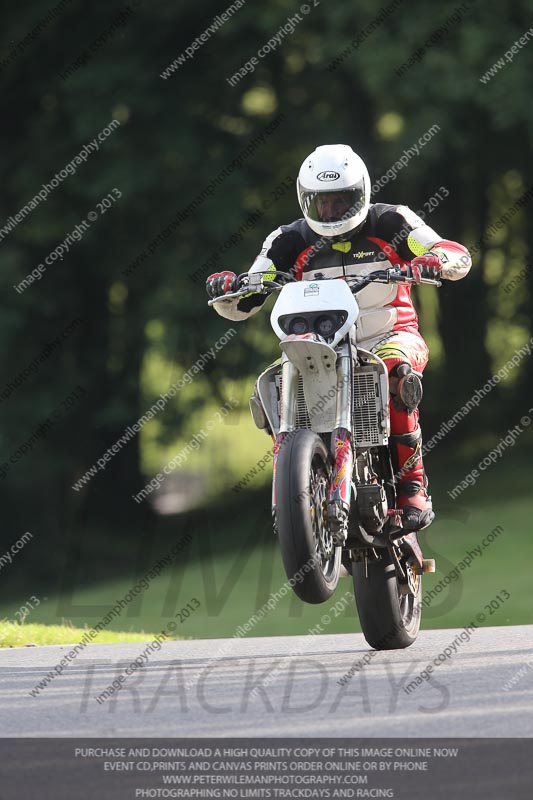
(289, 390)
(342, 451)
(341, 447)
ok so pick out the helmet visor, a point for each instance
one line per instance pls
(333, 206)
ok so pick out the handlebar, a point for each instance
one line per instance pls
(255, 283)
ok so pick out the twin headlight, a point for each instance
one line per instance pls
(326, 325)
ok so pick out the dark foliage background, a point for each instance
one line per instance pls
(175, 136)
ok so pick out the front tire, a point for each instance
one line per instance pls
(389, 619)
(302, 485)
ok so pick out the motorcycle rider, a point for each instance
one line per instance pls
(343, 234)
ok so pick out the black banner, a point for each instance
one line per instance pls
(429, 769)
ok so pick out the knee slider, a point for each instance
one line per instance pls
(405, 388)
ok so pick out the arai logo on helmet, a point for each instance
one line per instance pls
(328, 176)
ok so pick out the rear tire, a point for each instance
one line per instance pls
(302, 483)
(389, 620)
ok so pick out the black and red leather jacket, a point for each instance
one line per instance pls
(391, 235)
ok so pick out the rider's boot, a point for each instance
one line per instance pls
(413, 499)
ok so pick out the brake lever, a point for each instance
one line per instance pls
(229, 296)
(399, 277)
(431, 281)
(406, 279)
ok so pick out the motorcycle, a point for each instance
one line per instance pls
(325, 403)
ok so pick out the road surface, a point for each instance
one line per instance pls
(213, 688)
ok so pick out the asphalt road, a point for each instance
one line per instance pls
(206, 688)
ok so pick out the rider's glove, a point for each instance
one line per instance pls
(426, 266)
(221, 283)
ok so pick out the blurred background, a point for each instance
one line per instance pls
(92, 339)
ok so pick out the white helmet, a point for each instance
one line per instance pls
(334, 190)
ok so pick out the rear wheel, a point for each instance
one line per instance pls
(302, 483)
(390, 620)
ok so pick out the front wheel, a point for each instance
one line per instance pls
(389, 619)
(312, 562)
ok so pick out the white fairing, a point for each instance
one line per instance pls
(316, 361)
(305, 296)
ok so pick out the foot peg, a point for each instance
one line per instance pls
(428, 565)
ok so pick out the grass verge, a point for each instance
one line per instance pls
(233, 567)
(13, 634)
